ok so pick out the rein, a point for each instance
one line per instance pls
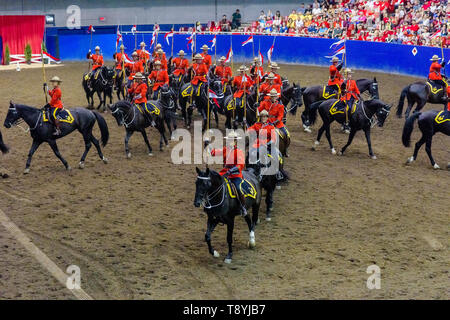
(208, 197)
(20, 120)
(373, 119)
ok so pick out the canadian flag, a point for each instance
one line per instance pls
(153, 38)
(191, 41)
(229, 55)
(168, 35)
(269, 54)
(261, 58)
(50, 57)
(250, 39)
(91, 29)
(435, 35)
(337, 43)
(213, 96)
(119, 37)
(133, 29)
(213, 42)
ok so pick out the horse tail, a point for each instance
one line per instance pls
(3, 147)
(401, 101)
(408, 129)
(313, 111)
(103, 128)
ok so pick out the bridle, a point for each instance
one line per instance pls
(209, 196)
(124, 117)
(21, 120)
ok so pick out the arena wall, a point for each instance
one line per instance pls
(147, 11)
(384, 57)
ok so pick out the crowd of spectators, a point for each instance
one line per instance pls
(412, 22)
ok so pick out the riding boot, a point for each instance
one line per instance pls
(57, 127)
(242, 202)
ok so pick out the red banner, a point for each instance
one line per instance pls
(17, 31)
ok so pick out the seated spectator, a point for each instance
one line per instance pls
(236, 20)
(225, 24)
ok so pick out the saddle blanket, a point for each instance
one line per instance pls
(149, 108)
(442, 117)
(434, 87)
(339, 107)
(64, 115)
(329, 91)
(245, 188)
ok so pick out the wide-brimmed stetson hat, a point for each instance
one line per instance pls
(157, 63)
(273, 93)
(142, 44)
(264, 113)
(242, 68)
(271, 76)
(56, 79)
(198, 56)
(205, 47)
(233, 135)
(274, 65)
(222, 58)
(434, 58)
(122, 47)
(335, 59)
(139, 75)
(181, 53)
(97, 48)
(158, 46)
(348, 70)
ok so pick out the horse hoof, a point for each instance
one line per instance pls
(216, 254)
(436, 166)
(347, 131)
(316, 143)
(278, 187)
(271, 209)
(150, 154)
(268, 219)
(105, 160)
(129, 155)
(68, 168)
(307, 129)
(333, 151)
(374, 157)
(228, 261)
(340, 153)
(410, 160)
(81, 165)
(26, 171)
(251, 244)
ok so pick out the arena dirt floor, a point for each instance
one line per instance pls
(132, 228)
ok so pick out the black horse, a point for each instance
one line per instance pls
(211, 191)
(268, 178)
(167, 102)
(316, 93)
(361, 117)
(430, 122)
(3, 147)
(121, 80)
(294, 95)
(133, 119)
(242, 115)
(42, 131)
(102, 84)
(419, 93)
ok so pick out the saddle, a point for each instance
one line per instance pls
(187, 92)
(64, 115)
(442, 117)
(150, 108)
(340, 107)
(435, 88)
(330, 91)
(282, 134)
(246, 188)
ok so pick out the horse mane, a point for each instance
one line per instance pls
(22, 106)
(124, 104)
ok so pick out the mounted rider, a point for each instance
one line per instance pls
(224, 72)
(276, 113)
(55, 106)
(200, 70)
(257, 71)
(159, 78)
(138, 92)
(120, 58)
(351, 94)
(181, 64)
(161, 56)
(335, 81)
(97, 63)
(234, 161)
(269, 135)
(135, 67)
(435, 75)
(268, 85)
(241, 83)
(206, 57)
(273, 68)
(143, 54)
